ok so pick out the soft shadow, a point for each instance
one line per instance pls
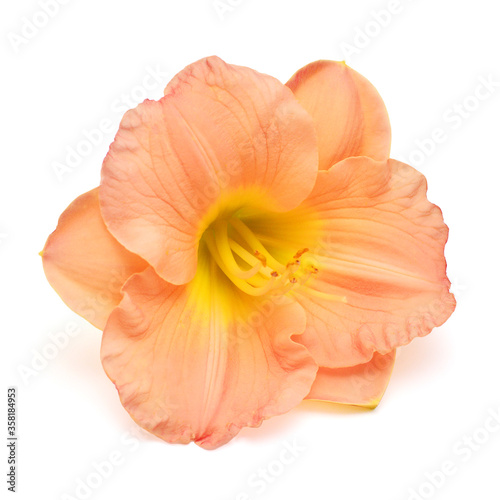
(429, 354)
(270, 428)
(287, 423)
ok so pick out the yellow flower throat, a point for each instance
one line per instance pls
(249, 265)
(254, 269)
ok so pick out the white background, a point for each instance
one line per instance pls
(81, 68)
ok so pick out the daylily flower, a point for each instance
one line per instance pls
(251, 245)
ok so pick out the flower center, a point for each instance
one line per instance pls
(249, 265)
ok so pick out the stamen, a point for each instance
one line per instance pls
(240, 283)
(300, 253)
(222, 243)
(247, 257)
(234, 246)
(254, 243)
(261, 257)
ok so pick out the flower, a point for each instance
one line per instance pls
(251, 245)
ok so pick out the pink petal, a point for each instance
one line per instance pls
(349, 114)
(84, 264)
(383, 251)
(360, 385)
(192, 363)
(223, 136)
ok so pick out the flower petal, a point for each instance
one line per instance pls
(384, 252)
(220, 131)
(360, 385)
(84, 264)
(187, 371)
(350, 116)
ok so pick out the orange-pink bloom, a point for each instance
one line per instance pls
(250, 245)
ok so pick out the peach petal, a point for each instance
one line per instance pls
(184, 374)
(384, 252)
(349, 114)
(360, 385)
(84, 264)
(219, 130)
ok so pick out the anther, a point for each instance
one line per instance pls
(261, 257)
(300, 253)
